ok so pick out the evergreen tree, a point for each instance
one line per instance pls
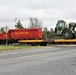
(19, 25)
(1, 29)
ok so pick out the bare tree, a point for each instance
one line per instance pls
(51, 33)
(45, 31)
(35, 23)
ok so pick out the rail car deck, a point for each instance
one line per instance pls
(63, 41)
(45, 42)
(27, 41)
(34, 42)
(50, 41)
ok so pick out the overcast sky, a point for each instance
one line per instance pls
(48, 11)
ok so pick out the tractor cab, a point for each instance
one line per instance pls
(60, 26)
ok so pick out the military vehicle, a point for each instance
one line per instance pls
(67, 31)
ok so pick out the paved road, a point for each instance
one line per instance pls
(58, 60)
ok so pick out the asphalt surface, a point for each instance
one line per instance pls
(51, 60)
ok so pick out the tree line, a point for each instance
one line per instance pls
(35, 23)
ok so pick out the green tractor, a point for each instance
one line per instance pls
(67, 31)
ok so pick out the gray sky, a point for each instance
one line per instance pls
(48, 11)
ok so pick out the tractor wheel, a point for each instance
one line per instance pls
(67, 34)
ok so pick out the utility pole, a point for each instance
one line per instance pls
(16, 21)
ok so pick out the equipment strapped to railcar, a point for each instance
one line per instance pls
(67, 31)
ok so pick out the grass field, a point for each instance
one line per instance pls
(10, 47)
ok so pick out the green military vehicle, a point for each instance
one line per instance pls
(67, 31)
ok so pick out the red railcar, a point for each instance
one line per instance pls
(14, 35)
(3, 36)
(33, 33)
